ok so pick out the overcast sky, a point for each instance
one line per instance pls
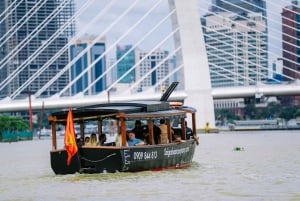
(127, 21)
(274, 9)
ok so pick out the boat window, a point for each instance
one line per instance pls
(90, 127)
(110, 126)
(131, 124)
(175, 122)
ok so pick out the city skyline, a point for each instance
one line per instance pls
(28, 45)
(82, 85)
(159, 48)
(126, 23)
(273, 14)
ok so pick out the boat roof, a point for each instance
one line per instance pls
(130, 110)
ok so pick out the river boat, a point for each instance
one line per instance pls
(118, 156)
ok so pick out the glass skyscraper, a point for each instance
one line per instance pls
(83, 63)
(291, 47)
(159, 66)
(236, 43)
(239, 6)
(31, 34)
(291, 41)
(127, 60)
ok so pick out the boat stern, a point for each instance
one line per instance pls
(59, 162)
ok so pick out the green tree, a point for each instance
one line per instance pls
(271, 111)
(12, 123)
(297, 114)
(250, 111)
(274, 109)
(288, 113)
(223, 115)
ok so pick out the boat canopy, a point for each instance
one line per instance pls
(129, 110)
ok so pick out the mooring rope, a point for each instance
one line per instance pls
(97, 161)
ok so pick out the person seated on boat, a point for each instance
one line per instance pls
(80, 142)
(92, 141)
(118, 142)
(164, 132)
(138, 130)
(156, 134)
(102, 140)
(133, 141)
(176, 137)
(188, 131)
(86, 140)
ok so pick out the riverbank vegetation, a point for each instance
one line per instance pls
(271, 111)
(12, 123)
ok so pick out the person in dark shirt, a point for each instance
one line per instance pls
(138, 130)
(157, 133)
(80, 142)
(102, 140)
(189, 132)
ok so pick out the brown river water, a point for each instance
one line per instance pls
(266, 167)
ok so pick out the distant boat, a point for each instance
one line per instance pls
(44, 132)
(117, 156)
(264, 124)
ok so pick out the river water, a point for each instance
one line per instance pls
(267, 167)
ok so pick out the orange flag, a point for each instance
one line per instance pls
(70, 141)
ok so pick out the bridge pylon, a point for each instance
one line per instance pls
(195, 74)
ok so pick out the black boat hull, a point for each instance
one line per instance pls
(112, 159)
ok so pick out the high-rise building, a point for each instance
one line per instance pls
(153, 69)
(127, 61)
(3, 70)
(239, 6)
(85, 61)
(236, 45)
(290, 47)
(31, 34)
(291, 41)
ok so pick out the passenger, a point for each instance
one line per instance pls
(102, 140)
(86, 141)
(164, 132)
(119, 140)
(157, 133)
(134, 141)
(188, 131)
(138, 130)
(80, 142)
(93, 140)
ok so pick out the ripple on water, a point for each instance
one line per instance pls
(267, 169)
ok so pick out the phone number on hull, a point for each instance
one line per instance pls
(147, 155)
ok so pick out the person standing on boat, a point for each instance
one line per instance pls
(157, 133)
(189, 131)
(134, 141)
(138, 130)
(164, 132)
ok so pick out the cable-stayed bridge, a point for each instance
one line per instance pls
(55, 102)
(199, 49)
